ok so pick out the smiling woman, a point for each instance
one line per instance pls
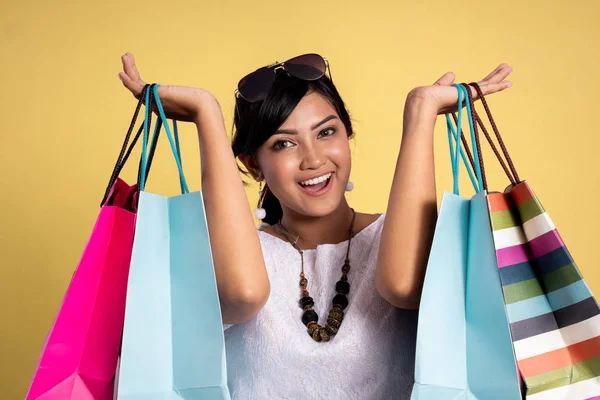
(306, 147)
(292, 133)
(299, 132)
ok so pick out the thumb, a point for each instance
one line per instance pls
(446, 80)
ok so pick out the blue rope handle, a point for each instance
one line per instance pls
(473, 141)
(144, 166)
(182, 183)
(174, 143)
(453, 136)
(455, 161)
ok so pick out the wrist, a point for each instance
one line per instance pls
(208, 116)
(420, 105)
(419, 100)
(206, 103)
(420, 114)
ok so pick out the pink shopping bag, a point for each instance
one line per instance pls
(79, 357)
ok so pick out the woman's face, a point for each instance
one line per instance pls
(307, 162)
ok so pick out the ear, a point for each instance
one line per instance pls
(252, 166)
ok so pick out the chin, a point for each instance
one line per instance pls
(321, 207)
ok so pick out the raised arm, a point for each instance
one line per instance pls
(240, 270)
(412, 207)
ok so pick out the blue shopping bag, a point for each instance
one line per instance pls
(173, 344)
(464, 348)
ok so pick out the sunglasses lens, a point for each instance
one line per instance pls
(309, 67)
(255, 86)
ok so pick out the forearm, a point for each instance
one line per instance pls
(412, 210)
(239, 265)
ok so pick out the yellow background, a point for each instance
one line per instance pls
(64, 112)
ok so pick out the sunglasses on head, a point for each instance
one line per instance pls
(256, 85)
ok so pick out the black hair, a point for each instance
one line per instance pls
(255, 123)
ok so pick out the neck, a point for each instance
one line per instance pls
(313, 231)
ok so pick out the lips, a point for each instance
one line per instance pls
(316, 179)
(318, 189)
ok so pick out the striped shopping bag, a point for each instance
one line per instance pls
(554, 319)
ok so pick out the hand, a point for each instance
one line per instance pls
(444, 96)
(179, 102)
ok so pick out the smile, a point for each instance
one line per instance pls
(316, 181)
(317, 186)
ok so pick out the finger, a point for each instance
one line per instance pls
(491, 74)
(129, 66)
(490, 88)
(446, 80)
(135, 87)
(499, 75)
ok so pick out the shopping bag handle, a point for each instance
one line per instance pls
(509, 170)
(126, 152)
(175, 147)
(456, 136)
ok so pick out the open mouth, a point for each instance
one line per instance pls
(317, 186)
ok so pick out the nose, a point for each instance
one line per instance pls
(313, 158)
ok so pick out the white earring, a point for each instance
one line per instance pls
(260, 213)
(349, 186)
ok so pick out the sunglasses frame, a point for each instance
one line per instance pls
(281, 65)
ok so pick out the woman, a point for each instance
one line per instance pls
(317, 302)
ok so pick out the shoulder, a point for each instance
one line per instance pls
(264, 227)
(368, 221)
(367, 232)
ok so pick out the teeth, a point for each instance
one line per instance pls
(320, 179)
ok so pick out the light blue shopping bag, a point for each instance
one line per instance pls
(173, 344)
(464, 348)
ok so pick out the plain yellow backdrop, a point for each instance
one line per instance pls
(64, 112)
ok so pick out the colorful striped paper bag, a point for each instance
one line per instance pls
(554, 319)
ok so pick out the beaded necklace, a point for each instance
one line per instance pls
(336, 315)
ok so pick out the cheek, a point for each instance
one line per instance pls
(284, 170)
(340, 155)
(279, 169)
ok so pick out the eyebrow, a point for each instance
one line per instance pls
(315, 126)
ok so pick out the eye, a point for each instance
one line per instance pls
(326, 132)
(282, 144)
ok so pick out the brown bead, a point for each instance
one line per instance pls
(324, 335)
(311, 328)
(335, 310)
(303, 282)
(346, 268)
(334, 323)
(331, 329)
(336, 314)
(315, 334)
(304, 293)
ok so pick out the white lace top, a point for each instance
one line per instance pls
(271, 357)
